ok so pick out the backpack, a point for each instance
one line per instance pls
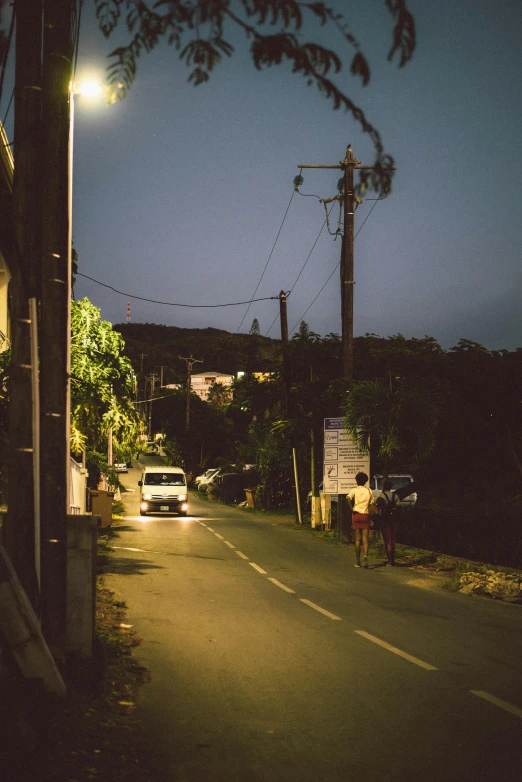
(391, 511)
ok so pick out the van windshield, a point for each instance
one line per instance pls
(396, 482)
(164, 479)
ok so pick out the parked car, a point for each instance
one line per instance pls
(205, 479)
(228, 487)
(120, 467)
(400, 482)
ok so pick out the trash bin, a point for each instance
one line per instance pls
(101, 505)
(251, 498)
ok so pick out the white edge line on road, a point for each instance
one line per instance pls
(497, 702)
(281, 586)
(125, 548)
(321, 610)
(227, 543)
(240, 554)
(394, 650)
(210, 529)
(219, 536)
(256, 567)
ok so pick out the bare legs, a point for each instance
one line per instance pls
(361, 535)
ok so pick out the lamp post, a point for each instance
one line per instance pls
(55, 362)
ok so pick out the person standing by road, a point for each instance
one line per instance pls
(360, 498)
(388, 519)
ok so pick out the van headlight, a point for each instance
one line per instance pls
(182, 497)
(147, 496)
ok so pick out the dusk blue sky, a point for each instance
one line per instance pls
(179, 192)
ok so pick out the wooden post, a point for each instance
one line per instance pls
(56, 293)
(19, 533)
(283, 317)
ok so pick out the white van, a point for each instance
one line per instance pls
(163, 490)
(398, 481)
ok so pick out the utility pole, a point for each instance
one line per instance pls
(19, 526)
(55, 318)
(284, 342)
(348, 165)
(152, 380)
(190, 363)
(161, 374)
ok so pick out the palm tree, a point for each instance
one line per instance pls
(398, 419)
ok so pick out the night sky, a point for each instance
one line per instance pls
(180, 191)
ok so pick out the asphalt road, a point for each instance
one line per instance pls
(272, 658)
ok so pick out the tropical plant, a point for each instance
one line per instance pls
(398, 420)
(101, 383)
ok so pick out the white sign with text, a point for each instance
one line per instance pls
(343, 458)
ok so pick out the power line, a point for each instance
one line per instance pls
(171, 303)
(268, 261)
(302, 269)
(332, 274)
(7, 50)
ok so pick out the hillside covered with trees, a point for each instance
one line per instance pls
(453, 418)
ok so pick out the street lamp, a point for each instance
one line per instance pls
(89, 88)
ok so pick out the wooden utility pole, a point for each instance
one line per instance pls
(161, 368)
(190, 363)
(283, 317)
(19, 527)
(55, 309)
(152, 380)
(348, 165)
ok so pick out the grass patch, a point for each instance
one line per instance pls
(95, 733)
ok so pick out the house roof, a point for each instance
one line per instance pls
(211, 374)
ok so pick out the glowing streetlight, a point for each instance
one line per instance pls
(89, 88)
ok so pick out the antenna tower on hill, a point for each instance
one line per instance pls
(128, 312)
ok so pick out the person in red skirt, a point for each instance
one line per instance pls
(360, 498)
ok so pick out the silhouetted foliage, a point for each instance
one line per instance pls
(200, 34)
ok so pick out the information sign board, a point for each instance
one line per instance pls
(343, 458)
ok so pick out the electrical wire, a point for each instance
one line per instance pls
(154, 398)
(7, 50)
(76, 37)
(268, 261)
(302, 268)
(8, 107)
(171, 303)
(339, 263)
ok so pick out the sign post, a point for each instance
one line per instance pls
(343, 459)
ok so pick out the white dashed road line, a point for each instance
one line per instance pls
(394, 650)
(240, 554)
(281, 586)
(227, 543)
(202, 523)
(219, 536)
(497, 702)
(256, 567)
(321, 610)
(210, 529)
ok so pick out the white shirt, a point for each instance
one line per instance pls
(362, 497)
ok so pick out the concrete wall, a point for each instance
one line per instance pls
(81, 584)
